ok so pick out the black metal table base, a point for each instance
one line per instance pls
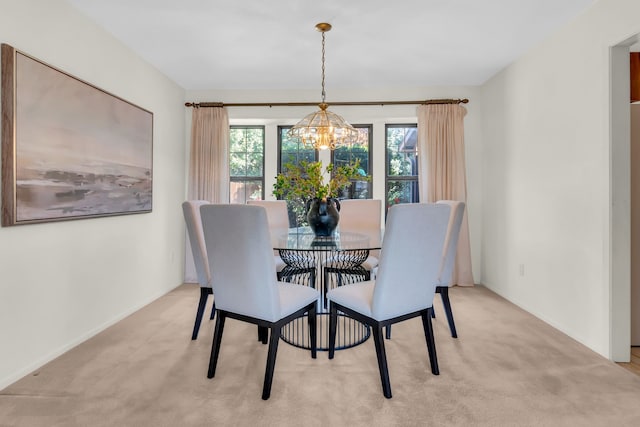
(323, 270)
(349, 333)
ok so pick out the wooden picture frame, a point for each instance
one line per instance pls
(70, 150)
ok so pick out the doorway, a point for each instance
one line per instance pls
(620, 203)
(635, 228)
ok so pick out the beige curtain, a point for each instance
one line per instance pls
(208, 166)
(209, 161)
(441, 168)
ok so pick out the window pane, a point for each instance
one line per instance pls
(401, 164)
(246, 163)
(288, 144)
(237, 141)
(291, 150)
(405, 191)
(237, 164)
(357, 190)
(241, 191)
(308, 154)
(401, 151)
(254, 140)
(288, 157)
(255, 162)
(360, 190)
(344, 155)
(297, 213)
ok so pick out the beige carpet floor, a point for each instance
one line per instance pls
(507, 368)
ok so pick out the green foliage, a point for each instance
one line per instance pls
(305, 180)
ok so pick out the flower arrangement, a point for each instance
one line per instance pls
(305, 181)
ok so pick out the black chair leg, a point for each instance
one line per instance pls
(213, 309)
(215, 346)
(444, 294)
(313, 331)
(204, 293)
(376, 330)
(271, 362)
(325, 273)
(431, 343)
(333, 323)
(263, 334)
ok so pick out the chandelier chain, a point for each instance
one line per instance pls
(323, 92)
(324, 130)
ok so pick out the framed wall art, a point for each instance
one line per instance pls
(69, 149)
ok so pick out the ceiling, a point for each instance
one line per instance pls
(272, 44)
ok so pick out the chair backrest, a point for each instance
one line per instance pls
(241, 260)
(191, 211)
(410, 259)
(360, 214)
(277, 214)
(451, 241)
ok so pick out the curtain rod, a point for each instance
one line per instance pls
(309, 104)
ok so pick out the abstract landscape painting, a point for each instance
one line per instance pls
(76, 151)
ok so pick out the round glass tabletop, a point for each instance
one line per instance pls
(303, 239)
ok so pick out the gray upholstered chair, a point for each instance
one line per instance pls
(356, 216)
(362, 216)
(191, 211)
(448, 259)
(405, 285)
(278, 218)
(235, 235)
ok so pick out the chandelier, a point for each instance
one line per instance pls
(323, 129)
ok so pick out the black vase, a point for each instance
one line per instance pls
(323, 216)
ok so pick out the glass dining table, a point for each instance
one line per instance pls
(324, 263)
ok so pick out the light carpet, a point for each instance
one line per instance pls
(507, 368)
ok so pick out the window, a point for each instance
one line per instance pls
(344, 155)
(293, 151)
(401, 164)
(246, 163)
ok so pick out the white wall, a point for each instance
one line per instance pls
(376, 115)
(548, 177)
(62, 282)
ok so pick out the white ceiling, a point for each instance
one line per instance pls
(272, 44)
